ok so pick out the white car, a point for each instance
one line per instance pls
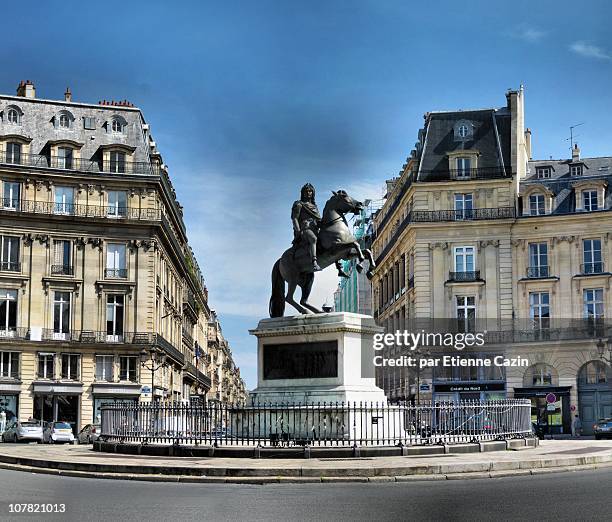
(89, 434)
(18, 431)
(58, 433)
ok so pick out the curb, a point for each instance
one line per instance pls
(261, 480)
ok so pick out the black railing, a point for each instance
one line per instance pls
(115, 273)
(474, 214)
(321, 424)
(8, 333)
(594, 267)
(97, 337)
(465, 174)
(538, 272)
(51, 208)
(188, 338)
(62, 270)
(80, 164)
(10, 266)
(464, 277)
(170, 350)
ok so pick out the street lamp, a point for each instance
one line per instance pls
(158, 360)
(601, 347)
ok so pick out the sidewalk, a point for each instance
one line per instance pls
(550, 456)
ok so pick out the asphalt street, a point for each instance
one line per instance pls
(560, 496)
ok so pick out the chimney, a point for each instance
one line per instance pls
(68, 95)
(26, 89)
(528, 143)
(575, 153)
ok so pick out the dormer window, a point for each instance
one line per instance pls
(576, 170)
(463, 130)
(12, 116)
(543, 172)
(464, 167)
(116, 126)
(117, 161)
(589, 200)
(64, 121)
(537, 206)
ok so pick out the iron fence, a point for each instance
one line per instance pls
(321, 424)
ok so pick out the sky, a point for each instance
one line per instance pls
(249, 100)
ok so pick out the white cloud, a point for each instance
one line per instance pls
(590, 51)
(527, 33)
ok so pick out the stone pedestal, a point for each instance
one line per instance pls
(310, 359)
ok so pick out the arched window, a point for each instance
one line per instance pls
(593, 372)
(12, 116)
(540, 374)
(64, 121)
(117, 126)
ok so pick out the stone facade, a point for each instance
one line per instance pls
(477, 235)
(96, 273)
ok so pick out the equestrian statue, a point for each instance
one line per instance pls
(319, 241)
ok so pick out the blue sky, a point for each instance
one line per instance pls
(248, 100)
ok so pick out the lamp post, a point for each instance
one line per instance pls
(601, 349)
(158, 360)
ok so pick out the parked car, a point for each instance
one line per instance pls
(58, 432)
(603, 428)
(19, 431)
(89, 434)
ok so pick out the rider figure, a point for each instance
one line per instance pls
(306, 220)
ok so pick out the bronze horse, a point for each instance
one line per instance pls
(335, 242)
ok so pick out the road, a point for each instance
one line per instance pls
(563, 496)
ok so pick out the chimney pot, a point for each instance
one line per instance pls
(68, 95)
(26, 89)
(575, 153)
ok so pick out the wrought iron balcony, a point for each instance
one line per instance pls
(170, 350)
(51, 208)
(465, 174)
(62, 270)
(594, 267)
(142, 168)
(115, 273)
(464, 277)
(474, 214)
(538, 272)
(96, 337)
(8, 333)
(10, 266)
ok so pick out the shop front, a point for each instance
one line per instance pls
(58, 402)
(550, 407)
(113, 393)
(9, 404)
(455, 392)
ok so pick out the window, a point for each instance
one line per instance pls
(12, 116)
(128, 368)
(464, 259)
(117, 203)
(115, 261)
(116, 125)
(463, 130)
(543, 172)
(463, 206)
(10, 196)
(541, 375)
(464, 168)
(104, 368)
(576, 170)
(46, 362)
(538, 260)
(466, 313)
(64, 157)
(539, 309)
(9, 365)
(114, 317)
(62, 257)
(8, 312)
(9, 255)
(89, 123)
(589, 200)
(71, 363)
(61, 315)
(593, 303)
(117, 161)
(592, 256)
(64, 200)
(64, 121)
(13, 153)
(594, 372)
(536, 205)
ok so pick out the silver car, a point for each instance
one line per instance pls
(89, 434)
(20, 431)
(58, 433)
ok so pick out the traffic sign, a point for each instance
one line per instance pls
(550, 398)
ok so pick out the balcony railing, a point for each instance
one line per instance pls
(170, 350)
(51, 208)
(465, 174)
(187, 337)
(12, 332)
(62, 270)
(474, 214)
(594, 267)
(538, 272)
(115, 273)
(80, 164)
(95, 337)
(464, 277)
(10, 266)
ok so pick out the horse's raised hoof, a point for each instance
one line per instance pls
(359, 267)
(369, 274)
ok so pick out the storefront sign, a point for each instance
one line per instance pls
(469, 387)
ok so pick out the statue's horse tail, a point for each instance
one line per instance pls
(277, 301)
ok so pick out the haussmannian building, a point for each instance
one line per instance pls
(96, 273)
(476, 233)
